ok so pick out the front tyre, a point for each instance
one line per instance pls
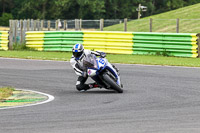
(112, 83)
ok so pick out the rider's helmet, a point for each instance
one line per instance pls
(78, 50)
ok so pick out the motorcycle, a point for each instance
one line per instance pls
(102, 72)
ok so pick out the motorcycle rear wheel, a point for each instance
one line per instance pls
(112, 83)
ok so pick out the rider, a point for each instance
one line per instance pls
(79, 53)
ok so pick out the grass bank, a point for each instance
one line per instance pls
(125, 59)
(166, 22)
(5, 92)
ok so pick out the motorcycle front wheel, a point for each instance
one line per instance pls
(112, 83)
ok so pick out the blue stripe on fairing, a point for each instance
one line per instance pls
(76, 45)
(111, 70)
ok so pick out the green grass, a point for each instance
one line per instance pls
(166, 22)
(62, 56)
(125, 59)
(5, 92)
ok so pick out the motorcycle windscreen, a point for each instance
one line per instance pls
(90, 61)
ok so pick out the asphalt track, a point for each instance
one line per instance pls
(156, 99)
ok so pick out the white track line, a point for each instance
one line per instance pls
(50, 98)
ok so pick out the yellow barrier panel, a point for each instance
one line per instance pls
(109, 42)
(4, 40)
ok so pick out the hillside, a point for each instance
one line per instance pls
(166, 22)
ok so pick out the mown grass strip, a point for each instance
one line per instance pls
(113, 58)
(5, 92)
(26, 100)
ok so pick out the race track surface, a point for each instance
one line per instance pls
(156, 99)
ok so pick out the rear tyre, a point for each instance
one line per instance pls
(112, 83)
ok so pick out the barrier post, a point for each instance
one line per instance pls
(76, 24)
(150, 24)
(65, 24)
(198, 41)
(49, 25)
(38, 25)
(125, 24)
(15, 30)
(10, 45)
(101, 24)
(21, 31)
(56, 25)
(42, 25)
(34, 25)
(177, 25)
(80, 26)
(28, 24)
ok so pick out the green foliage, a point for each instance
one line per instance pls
(4, 20)
(165, 53)
(21, 47)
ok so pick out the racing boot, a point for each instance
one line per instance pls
(90, 86)
(94, 85)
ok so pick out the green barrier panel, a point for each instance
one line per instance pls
(163, 38)
(52, 46)
(160, 45)
(168, 43)
(71, 42)
(52, 49)
(62, 36)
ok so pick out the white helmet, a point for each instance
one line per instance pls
(78, 50)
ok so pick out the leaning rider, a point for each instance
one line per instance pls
(79, 53)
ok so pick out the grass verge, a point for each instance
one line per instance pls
(165, 22)
(5, 92)
(113, 58)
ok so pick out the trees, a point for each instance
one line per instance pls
(6, 5)
(86, 9)
(4, 20)
(35, 9)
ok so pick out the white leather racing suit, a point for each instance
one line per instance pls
(78, 68)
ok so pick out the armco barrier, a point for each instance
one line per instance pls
(172, 44)
(4, 40)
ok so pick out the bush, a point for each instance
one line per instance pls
(4, 20)
(22, 47)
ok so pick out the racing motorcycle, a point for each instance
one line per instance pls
(102, 72)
